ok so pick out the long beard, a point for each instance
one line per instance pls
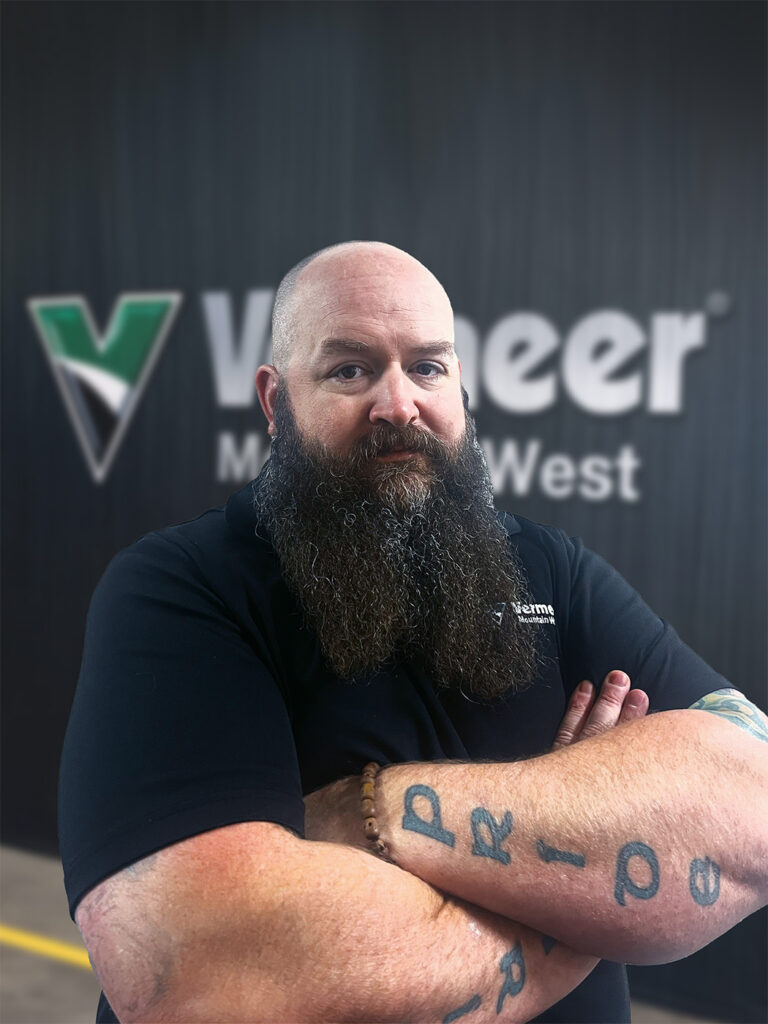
(398, 559)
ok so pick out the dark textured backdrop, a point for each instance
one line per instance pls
(556, 159)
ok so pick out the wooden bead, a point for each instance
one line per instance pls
(370, 828)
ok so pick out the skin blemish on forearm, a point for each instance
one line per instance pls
(625, 884)
(704, 881)
(497, 830)
(550, 853)
(413, 823)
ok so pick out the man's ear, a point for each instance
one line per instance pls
(267, 379)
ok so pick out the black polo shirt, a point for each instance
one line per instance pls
(203, 701)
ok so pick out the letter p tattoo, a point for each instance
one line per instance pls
(413, 823)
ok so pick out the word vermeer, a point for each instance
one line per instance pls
(607, 364)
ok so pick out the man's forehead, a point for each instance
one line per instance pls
(332, 346)
(368, 281)
(367, 294)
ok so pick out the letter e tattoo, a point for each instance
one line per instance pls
(413, 823)
(704, 881)
(498, 831)
(624, 883)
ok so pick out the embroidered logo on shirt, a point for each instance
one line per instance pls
(498, 612)
(535, 614)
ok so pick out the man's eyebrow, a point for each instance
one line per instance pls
(329, 346)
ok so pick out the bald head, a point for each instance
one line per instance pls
(350, 272)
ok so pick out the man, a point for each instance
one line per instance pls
(362, 602)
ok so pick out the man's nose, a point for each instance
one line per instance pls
(393, 399)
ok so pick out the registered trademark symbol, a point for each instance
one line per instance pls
(718, 303)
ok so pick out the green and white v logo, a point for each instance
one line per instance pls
(102, 377)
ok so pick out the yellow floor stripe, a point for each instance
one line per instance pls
(41, 945)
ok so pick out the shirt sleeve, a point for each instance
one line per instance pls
(177, 726)
(609, 626)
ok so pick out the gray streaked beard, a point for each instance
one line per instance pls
(403, 559)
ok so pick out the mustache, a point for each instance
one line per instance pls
(386, 438)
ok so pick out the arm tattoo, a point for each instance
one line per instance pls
(433, 828)
(704, 881)
(625, 884)
(497, 830)
(734, 707)
(514, 980)
(468, 1007)
(140, 867)
(551, 853)
(548, 943)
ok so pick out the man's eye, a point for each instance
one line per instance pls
(428, 369)
(348, 372)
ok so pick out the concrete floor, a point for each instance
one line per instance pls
(38, 990)
(35, 989)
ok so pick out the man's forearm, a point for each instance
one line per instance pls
(249, 923)
(640, 845)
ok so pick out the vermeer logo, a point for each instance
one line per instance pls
(541, 614)
(102, 377)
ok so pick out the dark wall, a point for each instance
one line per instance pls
(561, 160)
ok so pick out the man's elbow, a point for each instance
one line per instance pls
(188, 934)
(673, 931)
(204, 1000)
(632, 944)
(192, 985)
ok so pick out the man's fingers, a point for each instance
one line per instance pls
(607, 709)
(575, 715)
(588, 715)
(635, 706)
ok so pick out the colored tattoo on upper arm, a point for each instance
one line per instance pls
(734, 707)
(140, 867)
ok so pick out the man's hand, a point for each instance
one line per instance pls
(333, 813)
(641, 844)
(588, 716)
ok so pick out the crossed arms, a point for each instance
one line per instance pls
(251, 923)
(641, 846)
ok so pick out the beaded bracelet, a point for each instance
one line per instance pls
(370, 827)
